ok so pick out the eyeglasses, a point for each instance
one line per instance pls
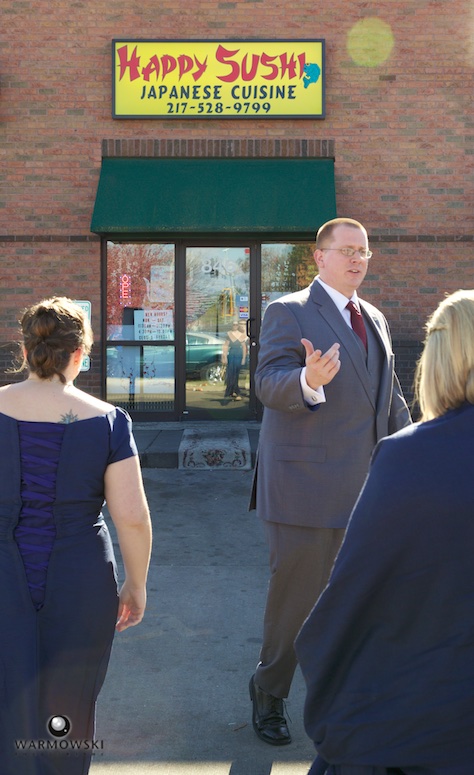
(366, 254)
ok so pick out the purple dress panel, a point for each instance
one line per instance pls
(40, 447)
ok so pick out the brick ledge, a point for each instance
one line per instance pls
(241, 147)
(374, 238)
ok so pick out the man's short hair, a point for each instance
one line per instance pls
(325, 231)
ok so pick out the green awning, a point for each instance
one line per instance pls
(169, 198)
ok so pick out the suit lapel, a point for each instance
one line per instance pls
(343, 335)
(377, 327)
(380, 331)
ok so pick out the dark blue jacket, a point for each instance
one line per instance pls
(388, 651)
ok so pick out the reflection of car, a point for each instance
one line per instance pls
(203, 359)
(204, 356)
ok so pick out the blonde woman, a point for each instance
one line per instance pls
(62, 454)
(388, 650)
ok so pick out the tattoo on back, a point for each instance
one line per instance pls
(68, 418)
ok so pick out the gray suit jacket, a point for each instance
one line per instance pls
(312, 462)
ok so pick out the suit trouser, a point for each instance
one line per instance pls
(347, 769)
(301, 559)
(343, 769)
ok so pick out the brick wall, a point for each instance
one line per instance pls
(401, 130)
(35, 267)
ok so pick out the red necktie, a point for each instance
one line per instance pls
(357, 322)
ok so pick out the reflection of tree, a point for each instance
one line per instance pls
(287, 267)
(301, 264)
(213, 278)
(136, 260)
(272, 266)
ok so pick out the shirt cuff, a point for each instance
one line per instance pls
(312, 397)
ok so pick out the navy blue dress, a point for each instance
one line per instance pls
(59, 596)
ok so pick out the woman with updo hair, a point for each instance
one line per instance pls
(52, 331)
(388, 651)
(63, 454)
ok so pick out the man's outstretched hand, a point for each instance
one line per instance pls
(321, 369)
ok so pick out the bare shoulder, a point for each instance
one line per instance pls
(46, 402)
(90, 403)
(10, 392)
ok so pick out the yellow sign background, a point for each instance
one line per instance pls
(218, 79)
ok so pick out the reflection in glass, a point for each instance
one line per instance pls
(140, 377)
(286, 267)
(204, 357)
(140, 276)
(234, 357)
(140, 308)
(217, 304)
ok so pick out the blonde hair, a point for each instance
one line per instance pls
(52, 330)
(444, 376)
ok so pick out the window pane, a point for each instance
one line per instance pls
(286, 267)
(141, 378)
(140, 291)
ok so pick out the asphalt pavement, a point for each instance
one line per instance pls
(175, 700)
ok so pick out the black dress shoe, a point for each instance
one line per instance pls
(268, 718)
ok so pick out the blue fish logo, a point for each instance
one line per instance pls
(311, 74)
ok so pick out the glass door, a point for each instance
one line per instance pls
(217, 329)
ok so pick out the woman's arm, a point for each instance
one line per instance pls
(128, 507)
(244, 351)
(225, 351)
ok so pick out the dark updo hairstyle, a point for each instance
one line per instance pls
(52, 330)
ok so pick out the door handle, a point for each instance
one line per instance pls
(251, 338)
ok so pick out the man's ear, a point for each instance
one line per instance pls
(318, 256)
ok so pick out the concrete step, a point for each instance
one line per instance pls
(158, 442)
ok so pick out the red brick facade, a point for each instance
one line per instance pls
(400, 130)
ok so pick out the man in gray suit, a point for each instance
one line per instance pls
(329, 395)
